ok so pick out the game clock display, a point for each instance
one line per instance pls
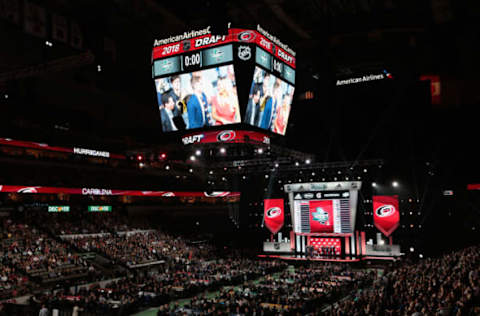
(192, 61)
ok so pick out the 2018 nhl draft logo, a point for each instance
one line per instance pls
(226, 136)
(28, 190)
(274, 212)
(244, 52)
(385, 210)
(246, 36)
(320, 215)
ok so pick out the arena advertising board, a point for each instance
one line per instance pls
(111, 192)
(225, 136)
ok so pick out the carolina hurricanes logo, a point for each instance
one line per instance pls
(216, 194)
(320, 215)
(168, 194)
(385, 210)
(226, 136)
(246, 36)
(274, 212)
(27, 190)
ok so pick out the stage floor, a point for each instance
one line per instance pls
(326, 259)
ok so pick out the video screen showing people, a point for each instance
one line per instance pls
(198, 99)
(269, 102)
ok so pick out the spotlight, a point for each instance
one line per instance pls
(6, 96)
(139, 157)
(411, 249)
(211, 172)
(141, 165)
(307, 161)
(198, 152)
(276, 165)
(190, 170)
(192, 158)
(374, 184)
(297, 164)
(365, 170)
(260, 150)
(420, 256)
(223, 150)
(395, 184)
(266, 176)
(313, 173)
(167, 167)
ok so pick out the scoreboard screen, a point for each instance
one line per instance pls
(198, 99)
(202, 79)
(322, 212)
(269, 102)
(323, 207)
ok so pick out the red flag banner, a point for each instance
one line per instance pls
(321, 216)
(386, 215)
(274, 215)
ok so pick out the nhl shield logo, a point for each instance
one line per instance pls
(244, 52)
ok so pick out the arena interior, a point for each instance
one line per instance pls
(265, 157)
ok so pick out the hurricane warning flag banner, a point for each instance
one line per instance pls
(321, 216)
(274, 215)
(386, 215)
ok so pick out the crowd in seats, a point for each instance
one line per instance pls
(37, 254)
(141, 247)
(173, 281)
(69, 223)
(12, 282)
(448, 285)
(305, 290)
(78, 222)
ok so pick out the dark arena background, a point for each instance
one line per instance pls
(305, 157)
